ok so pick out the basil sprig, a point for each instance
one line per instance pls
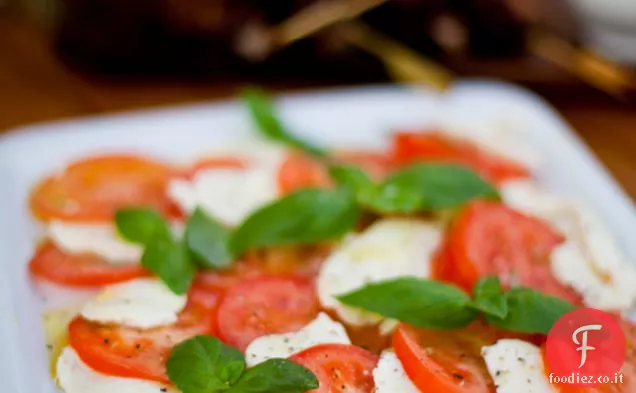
(431, 304)
(264, 115)
(303, 217)
(204, 364)
(416, 188)
(174, 260)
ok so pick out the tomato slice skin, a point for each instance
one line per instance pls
(410, 147)
(489, 238)
(265, 305)
(93, 189)
(220, 162)
(444, 366)
(340, 368)
(80, 270)
(136, 353)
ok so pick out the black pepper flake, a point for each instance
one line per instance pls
(458, 376)
(497, 373)
(529, 381)
(106, 341)
(138, 346)
(49, 347)
(521, 360)
(163, 389)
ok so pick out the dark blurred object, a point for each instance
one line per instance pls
(197, 36)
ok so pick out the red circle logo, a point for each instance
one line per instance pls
(585, 347)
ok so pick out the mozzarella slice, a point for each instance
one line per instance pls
(322, 330)
(516, 366)
(98, 239)
(590, 260)
(74, 376)
(141, 303)
(388, 249)
(389, 375)
(231, 194)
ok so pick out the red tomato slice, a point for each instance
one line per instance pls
(95, 188)
(212, 163)
(409, 147)
(444, 361)
(299, 171)
(340, 368)
(489, 238)
(82, 270)
(265, 305)
(136, 353)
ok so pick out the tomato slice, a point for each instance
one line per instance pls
(265, 305)
(95, 188)
(136, 353)
(489, 238)
(81, 270)
(410, 147)
(212, 163)
(299, 171)
(444, 361)
(340, 368)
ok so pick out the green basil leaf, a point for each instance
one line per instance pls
(303, 217)
(433, 186)
(204, 364)
(208, 241)
(489, 298)
(264, 115)
(275, 376)
(530, 311)
(140, 225)
(420, 302)
(351, 176)
(169, 260)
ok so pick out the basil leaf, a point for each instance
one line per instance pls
(140, 225)
(264, 114)
(420, 302)
(303, 217)
(351, 176)
(169, 260)
(275, 376)
(434, 186)
(204, 364)
(530, 311)
(489, 298)
(207, 240)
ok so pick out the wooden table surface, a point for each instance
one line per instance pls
(36, 87)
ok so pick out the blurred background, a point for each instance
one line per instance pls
(65, 58)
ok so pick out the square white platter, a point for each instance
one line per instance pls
(351, 117)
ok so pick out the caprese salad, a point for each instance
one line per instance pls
(436, 265)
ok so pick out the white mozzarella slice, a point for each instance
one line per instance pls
(388, 249)
(74, 376)
(590, 260)
(141, 303)
(389, 375)
(231, 194)
(322, 330)
(516, 366)
(98, 239)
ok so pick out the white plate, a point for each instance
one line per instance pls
(339, 117)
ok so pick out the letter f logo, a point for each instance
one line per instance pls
(584, 347)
